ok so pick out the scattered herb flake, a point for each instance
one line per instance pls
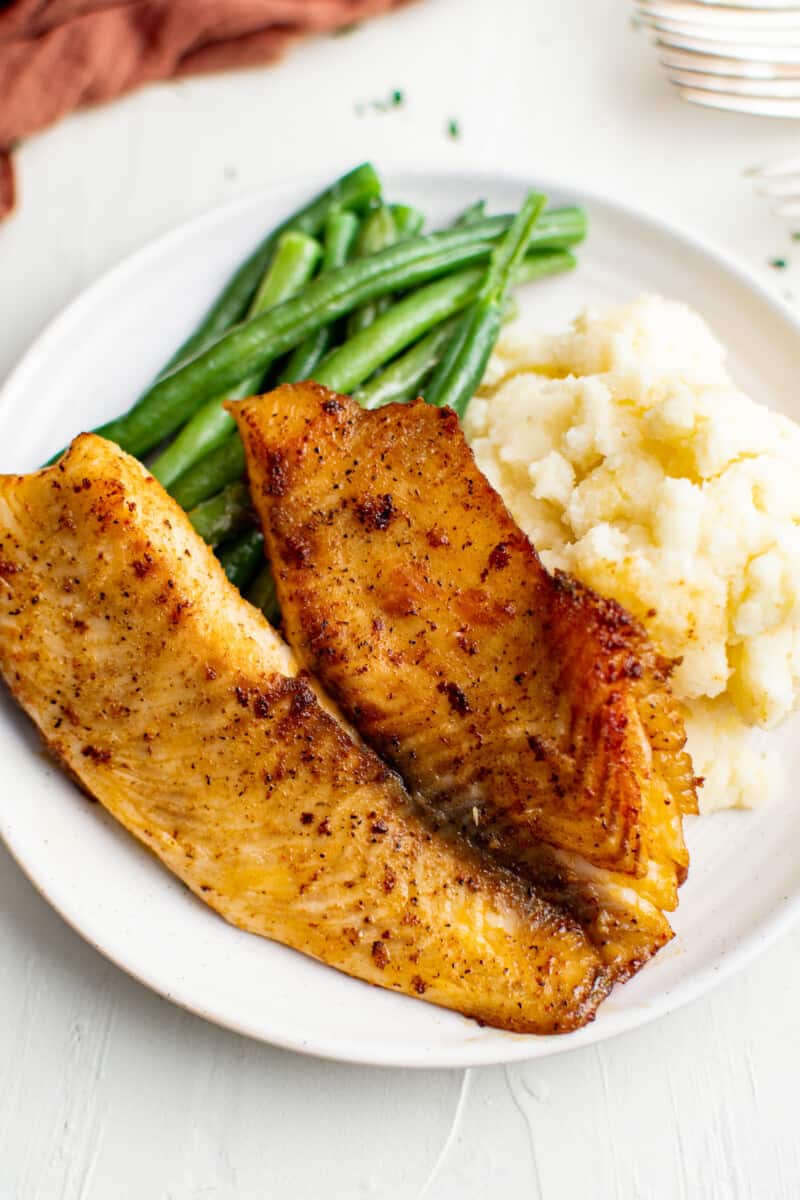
(343, 30)
(453, 129)
(796, 236)
(395, 100)
(780, 264)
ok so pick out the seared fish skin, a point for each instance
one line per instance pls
(174, 703)
(521, 705)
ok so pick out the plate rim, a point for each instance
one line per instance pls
(506, 1048)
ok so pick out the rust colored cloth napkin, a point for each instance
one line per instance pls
(57, 55)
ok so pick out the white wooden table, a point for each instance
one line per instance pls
(106, 1091)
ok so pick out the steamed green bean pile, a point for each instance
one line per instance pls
(351, 292)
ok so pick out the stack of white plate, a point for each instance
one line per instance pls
(742, 55)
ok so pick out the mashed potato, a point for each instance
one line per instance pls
(624, 450)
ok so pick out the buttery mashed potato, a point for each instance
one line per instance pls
(624, 450)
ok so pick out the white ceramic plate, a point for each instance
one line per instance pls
(744, 886)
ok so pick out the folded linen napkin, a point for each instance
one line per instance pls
(57, 55)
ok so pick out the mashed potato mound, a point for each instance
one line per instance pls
(624, 450)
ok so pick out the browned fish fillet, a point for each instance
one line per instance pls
(522, 705)
(171, 700)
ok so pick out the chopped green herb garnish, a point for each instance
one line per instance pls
(394, 100)
(345, 29)
(780, 264)
(453, 129)
(796, 236)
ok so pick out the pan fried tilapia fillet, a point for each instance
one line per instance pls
(172, 701)
(521, 705)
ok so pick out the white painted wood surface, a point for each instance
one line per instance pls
(106, 1091)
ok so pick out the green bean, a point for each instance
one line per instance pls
(356, 190)
(408, 221)
(402, 379)
(340, 234)
(353, 362)
(405, 222)
(510, 309)
(261, 593)
(212, 473)
(469, 216)
(223, 515)
(226, 464)
(293, 265)
(254, 344)
(295, 261)
(378, 231)
(556, 229)
(464, 362)
(511, 250)
(349, 365)
(536, 266)
(242, 557)
(304, 358)
(469, 349)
